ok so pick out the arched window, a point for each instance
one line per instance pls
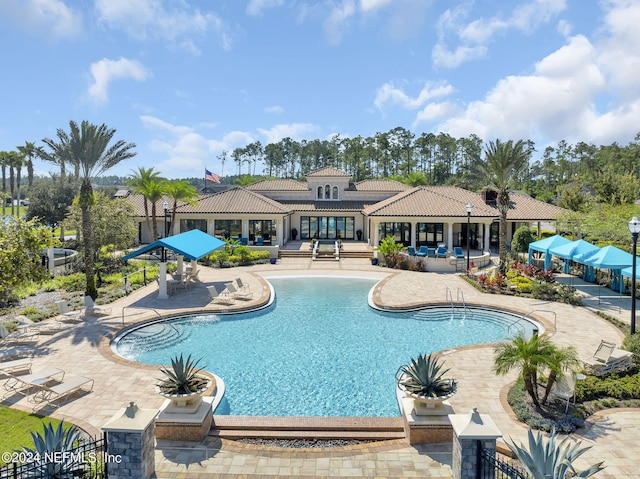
(320, 192)
(327, 192)
(335, 192)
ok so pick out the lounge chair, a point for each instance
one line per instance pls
(441, 252)
(608, 359)
(62, 391)
(411, 251)
(422, 251)
(565, 387)
(9, 367)
(217, 296)
(240, 286)
(91, 308)
(458, 253)
(238, 294)
(22, 384)
(18, 337)
(42, 327)
(66, 314)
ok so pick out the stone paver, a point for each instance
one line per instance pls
(84, 350)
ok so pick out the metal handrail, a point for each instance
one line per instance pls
(460, 293)
(555, 316)
(448, 292)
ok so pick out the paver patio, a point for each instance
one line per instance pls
(84, 350)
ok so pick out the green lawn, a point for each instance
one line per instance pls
(16, 427)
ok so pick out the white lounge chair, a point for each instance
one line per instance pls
(608, 359)
(42, 327)
(62, 391)
(91, 308)
(66, 314)
(218, 296)
(22, 384)
(238, 294)
(9, 367)
(19, 337)
(241, 286)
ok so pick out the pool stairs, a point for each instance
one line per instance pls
(263, 427)
(157, 336)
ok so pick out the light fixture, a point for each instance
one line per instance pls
(634, 228)
(469, 208)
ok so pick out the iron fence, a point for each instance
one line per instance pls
(492, 467)
(87, 461)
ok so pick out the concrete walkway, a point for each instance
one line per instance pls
(84, 350)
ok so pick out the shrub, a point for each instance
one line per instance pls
(72, 282)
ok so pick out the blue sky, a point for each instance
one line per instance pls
(186, 79)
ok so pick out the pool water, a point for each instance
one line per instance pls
(319, 350)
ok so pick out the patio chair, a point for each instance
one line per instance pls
(431, 252)
(260, 241)
(411, 251)
(458, 253)
(441, 252)
(18, 337)
(66, 314)
(608, 359)
(565, 388)
(62, 391)
(91, 308)
(238, 294)
(422, 251)
(8, 367)
(217, 296)
(241, 286)
(23, 384)
(42, 327)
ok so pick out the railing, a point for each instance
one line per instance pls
(555, 316)
(450, 295)
(491, 467)
(460, 294)
(87, 460)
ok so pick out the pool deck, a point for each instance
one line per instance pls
(84, 350)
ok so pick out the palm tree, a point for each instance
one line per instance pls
(86, 147)
(154, 192)
(180, 190)
(530, 356)
(552, 460)
(562, 360)
(4, 162)
(503, 164)
(29, 150)
(15, 165)
(138, 181)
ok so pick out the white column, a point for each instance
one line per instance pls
(449, 236)
(52, 258)
(162, 290)
(487, 237)
(180, 264)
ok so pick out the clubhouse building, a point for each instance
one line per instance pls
(329, 206)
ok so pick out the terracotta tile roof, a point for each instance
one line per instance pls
(328, 171)
(356, 206)
(432, 201)
(236, 200)
(380, 185)
(525, 208)
(137, 200)
(278, 185)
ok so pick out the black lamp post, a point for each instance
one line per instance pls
(634, 227)
(165, 207)
(469, 207)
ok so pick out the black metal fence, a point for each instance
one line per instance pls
(492, 467)
(87, 460)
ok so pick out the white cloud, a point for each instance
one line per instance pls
(295, 131)
(51, 17)
(389, 94)
(435, 111)
(106, 70)
(337, 21)
(148, 19)
(473, 36)
(370, 5)
(255, 7)
(275, 109)
(186, 152)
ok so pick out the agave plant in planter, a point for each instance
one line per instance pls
(423, 381)
(184, 384)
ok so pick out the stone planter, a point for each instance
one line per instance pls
(426, 405)
(186, 403)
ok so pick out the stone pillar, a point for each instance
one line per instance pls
(180, 264)
(52, 260)
(162, 285)
(470, 433)
(131, 443)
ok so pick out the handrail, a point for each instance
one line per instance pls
(448, 292)
(459, 293)
(555, 316)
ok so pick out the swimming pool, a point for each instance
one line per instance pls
(319, 350)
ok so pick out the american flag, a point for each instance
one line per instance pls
(208, 175)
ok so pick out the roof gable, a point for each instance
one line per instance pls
(285, 184)
(236, 200)
(328, 171)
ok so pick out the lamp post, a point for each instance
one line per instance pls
(469, 207)
(634, 227)
(165, 207)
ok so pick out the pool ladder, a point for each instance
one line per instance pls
(459, 294)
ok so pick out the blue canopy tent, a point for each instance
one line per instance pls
(589, 272)
(192, 245)
(569, 251)
(614, 259)
(628, 272)
(544, 245)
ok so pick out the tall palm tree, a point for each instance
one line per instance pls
(552, 460)
(154, 192)
(4, 162)
(15, 165)
(529, 356)
(139, 181)
(87, 147)
(180, 190)
(29, 150)
(501, 168)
